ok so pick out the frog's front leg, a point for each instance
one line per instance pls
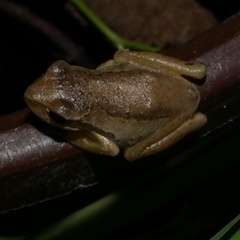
(161, 139)
(92, 142)
(161, 62)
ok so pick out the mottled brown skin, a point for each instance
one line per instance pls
(123, 102)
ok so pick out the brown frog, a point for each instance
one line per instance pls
(138, 101)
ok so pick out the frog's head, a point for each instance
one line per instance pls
(54, 98)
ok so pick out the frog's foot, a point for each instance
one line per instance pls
(92, 142)
(143, 148)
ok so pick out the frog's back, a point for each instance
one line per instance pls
(141, 95)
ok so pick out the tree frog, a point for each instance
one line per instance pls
(138, 102)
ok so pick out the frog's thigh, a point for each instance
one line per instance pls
(142, 148)
(92, 142)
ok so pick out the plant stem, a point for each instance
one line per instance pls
(119, 42)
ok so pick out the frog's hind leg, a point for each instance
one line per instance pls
(154, 143)
(92, 142)
(161, 63)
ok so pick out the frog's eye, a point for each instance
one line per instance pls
(55, 118)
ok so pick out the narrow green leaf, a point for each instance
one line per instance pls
(119, 42)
